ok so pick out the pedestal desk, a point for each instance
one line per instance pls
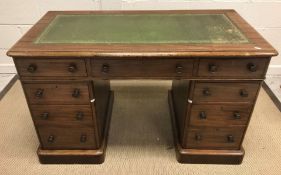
(216, 60)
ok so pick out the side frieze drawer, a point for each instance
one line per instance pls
(51, 67)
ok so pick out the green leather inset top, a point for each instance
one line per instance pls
(142, 29)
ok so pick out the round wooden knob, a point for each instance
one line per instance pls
(39, 93)
(105, 68)
(236, 115)
(206, 92)
(72, 68)
(76, 93)
(202, 115)
(51, 138)
(213, 68)
(179, 69)
(252, 67)
(32, 68)
(79, 115)
(198, 137)
(45, 115)
(244, 93)
(83, 138)
(230, 138)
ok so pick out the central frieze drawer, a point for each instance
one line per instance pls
(57, 93)
(65, 137)
(116, 67)
(143, 68)
(51, 67)
(214, 137)
(227, 67)
(225, 92)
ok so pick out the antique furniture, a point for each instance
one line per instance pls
(216, 60)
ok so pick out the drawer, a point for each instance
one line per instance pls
(215, 137)
(51, 67)
(227, 67)
(143, 68)
(116, 67)
(57, 93)
(65, 137)
(225, 92)
(219, 115)
(52, 115)
(167, 68)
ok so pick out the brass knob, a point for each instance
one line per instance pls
(179, 69)
(105, 68)
(72, 68)
(51, 138)
(202, 115)
(206, 92)
(39, 93)
(76, 93)
(45, 115)
(252, 67)
(198, 137)
(83, 138)
(79, 115)
(213, 68)
(31, 68)
(230, 138)
(236, 115)
(244, 93)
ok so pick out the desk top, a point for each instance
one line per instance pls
(142, 33)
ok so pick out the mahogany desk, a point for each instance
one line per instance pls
(216, 60)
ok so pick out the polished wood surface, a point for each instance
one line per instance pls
(214, 90)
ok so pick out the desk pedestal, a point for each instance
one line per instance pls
(201, 156)
(79, 156)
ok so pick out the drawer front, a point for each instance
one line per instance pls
(65, 137)
(225, 92)
(219, 115)
(51, 67)
(79, 115)
(214, 137)
(167, 68)
(239, 67)
(106, 68)
(59, 93)
(143, 68)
